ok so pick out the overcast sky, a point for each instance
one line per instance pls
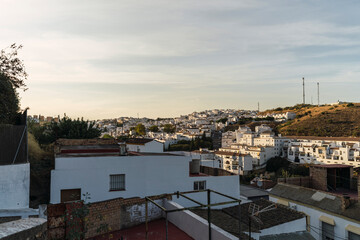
(162, 58)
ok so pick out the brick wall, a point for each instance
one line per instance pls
(214, 171)
(298, 181)
(105, 216)
(318, 176)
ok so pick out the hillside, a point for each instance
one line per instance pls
(335, 121)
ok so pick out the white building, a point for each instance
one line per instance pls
(260, 145)
(144, 145)
(235, 162)
(112, 176)
(328, 216)
(14, 186)
(324, 150)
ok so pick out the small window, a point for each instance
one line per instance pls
(353, 236)
(117, 182)
(199, 185)
(327, 231)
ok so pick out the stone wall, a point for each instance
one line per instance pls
(318, 176)
(105, 216)
(24, 229)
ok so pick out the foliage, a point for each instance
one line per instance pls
(350, 105)
(222, 120)
(75, 219)
(140, 129)
(12, 67)
(154, 128)
(107, 136)
(194, 144)
(276, 163)
(169, 128)
(9, 101)
(35, 151)
(66, 128)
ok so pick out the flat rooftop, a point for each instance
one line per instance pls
(156, 232)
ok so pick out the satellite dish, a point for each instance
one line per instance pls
(259, 183)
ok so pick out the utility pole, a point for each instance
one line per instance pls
(303, 90)
(258, 106)
(318, 92)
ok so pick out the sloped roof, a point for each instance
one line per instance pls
(316, 198)
(349, 139)
(277, 216)
(138, 141)
(304, 235)
(251, 192)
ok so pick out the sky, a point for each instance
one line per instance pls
(163, 58)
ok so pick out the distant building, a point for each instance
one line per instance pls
(144, 145)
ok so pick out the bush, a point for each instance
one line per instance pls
(277, 163)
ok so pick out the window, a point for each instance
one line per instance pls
(353, 236)
(199, 185)
(117, 182)
(70, 195)
(327, 231)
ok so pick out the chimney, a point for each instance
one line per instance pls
(358, 187)
(345, 202)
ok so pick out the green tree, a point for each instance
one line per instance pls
(12, 67)
(169, 128)
(12, 77)
(107, 136)
(154, 128)
(222, 120)
(276, 163)
(140, 129)
(65, 128)
(9, 101)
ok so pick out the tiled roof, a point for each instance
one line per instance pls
(316, 198)
(277, 216)
(286, 236)
(138, 141)
(251, 192)
(230, 154)
(349, 139)
(223, 221)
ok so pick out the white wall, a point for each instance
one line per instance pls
(289, 227)
(195, 226)
(152, 147)
(144, 176)
(340, 223)
(14, 186)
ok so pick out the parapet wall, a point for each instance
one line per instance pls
(103, 217)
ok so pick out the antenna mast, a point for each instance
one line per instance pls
(303, 90)
(318, 88)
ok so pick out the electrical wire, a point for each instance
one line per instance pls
(319, 231)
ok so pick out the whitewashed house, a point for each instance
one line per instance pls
(328, 216)
(144, 145)
(105, 173)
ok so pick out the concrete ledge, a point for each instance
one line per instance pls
(28, 228)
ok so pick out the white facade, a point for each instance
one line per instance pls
(149, 147)
(144, 176)
(315, 216)
(14, 186)
(325, 152)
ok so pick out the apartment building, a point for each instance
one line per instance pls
(325, 150)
